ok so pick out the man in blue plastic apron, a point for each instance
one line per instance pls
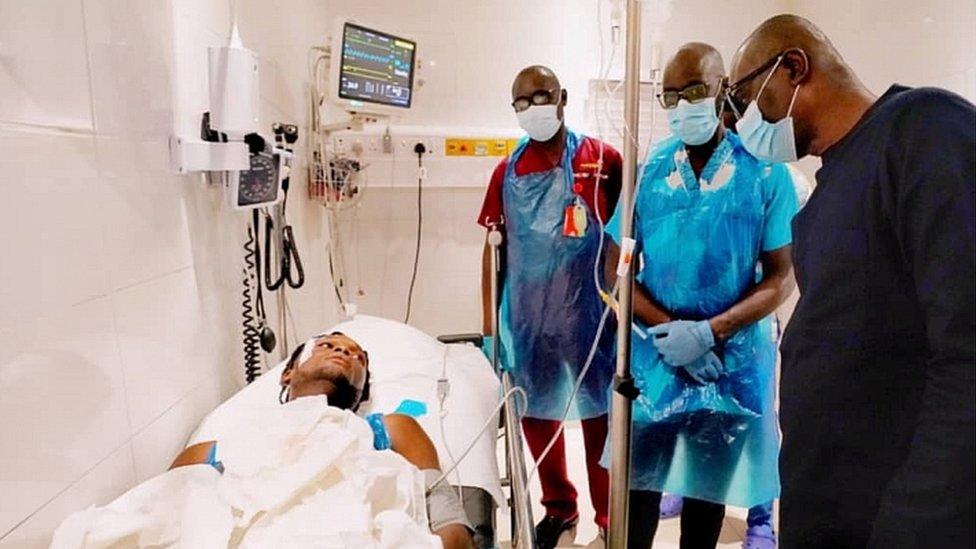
(545, 198)
(707, 214)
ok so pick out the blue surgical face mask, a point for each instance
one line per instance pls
(694, 123)
(768, 141)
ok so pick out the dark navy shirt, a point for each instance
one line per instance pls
(878, 360)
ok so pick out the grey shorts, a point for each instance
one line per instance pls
(443, 506)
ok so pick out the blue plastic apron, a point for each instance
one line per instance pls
(550, 307)
(701, 244)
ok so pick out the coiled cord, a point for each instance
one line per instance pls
(251, 333)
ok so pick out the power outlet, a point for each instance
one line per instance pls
(406, 144)
(374, 144)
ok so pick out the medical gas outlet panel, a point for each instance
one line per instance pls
(451, 158)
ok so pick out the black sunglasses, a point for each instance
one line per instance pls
(695, 93)
(539, 97)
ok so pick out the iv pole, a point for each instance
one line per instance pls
(523, 527)
(624, 391)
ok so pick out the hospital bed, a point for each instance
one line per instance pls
(407, 365)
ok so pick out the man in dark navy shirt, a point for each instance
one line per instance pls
(878, 360)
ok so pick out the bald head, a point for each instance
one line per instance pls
(791, 69)
(788, 32)
(694, 63)
(534, 78)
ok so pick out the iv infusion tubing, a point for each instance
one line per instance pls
(597, 262)
(481, 432)
(621, 403)
(576, 387)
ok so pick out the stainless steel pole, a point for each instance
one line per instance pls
(523, 527)
(279, 244)
(523, 530)
(623, 382)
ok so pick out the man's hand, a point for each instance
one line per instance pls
(683, 341)
(706, 369)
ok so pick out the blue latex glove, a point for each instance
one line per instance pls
(706, 369)
(683, 341)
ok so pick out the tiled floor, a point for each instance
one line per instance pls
(586, 533)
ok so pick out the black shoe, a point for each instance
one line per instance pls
(550, 528)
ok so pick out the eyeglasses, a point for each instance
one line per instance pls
(540, 97)
(695, 93)
(732, 91)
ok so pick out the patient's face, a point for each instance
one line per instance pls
(336, 368)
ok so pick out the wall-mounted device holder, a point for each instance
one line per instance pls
(234, 103)
(190, 155)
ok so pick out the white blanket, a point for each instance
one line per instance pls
(301, 475)
(404, 363)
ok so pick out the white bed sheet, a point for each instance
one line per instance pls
(404, 363)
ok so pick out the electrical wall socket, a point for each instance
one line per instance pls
(378, 145)
(406, 143)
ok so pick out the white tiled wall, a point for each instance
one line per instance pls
(931, 43)
(476, 49)
(120, 282)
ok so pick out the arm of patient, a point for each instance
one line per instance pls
(447, 517)
(197, 454)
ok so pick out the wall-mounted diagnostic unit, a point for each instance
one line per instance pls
(372, 71)
(261, 185)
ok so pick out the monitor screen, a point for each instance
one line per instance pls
(376, 67)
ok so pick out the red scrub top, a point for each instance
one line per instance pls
(584, 169)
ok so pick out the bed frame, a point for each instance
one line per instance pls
(478, 504)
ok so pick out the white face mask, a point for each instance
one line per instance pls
(768, 141)
(540, 121)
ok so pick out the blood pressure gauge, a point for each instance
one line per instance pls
(259, 186)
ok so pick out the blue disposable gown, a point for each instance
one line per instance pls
(550, 306)
(700, 245)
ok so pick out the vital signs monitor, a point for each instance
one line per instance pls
(372, 71)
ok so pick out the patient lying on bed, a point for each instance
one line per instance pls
(336, 367)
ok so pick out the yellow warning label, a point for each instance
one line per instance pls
(478, 146)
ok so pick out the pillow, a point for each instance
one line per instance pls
(405, 363)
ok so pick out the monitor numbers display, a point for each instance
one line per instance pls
(376, 67)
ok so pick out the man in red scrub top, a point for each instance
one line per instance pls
(548, 198)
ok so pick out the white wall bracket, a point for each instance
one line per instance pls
(199, 156)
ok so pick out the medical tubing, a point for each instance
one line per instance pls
(268, 283)
(256, 267)
(604, 73)
(481, 432)
(291, 250)
(447, 448)
(289, 253)
(443, 391)
(576, 388)
(251, 334)
(627, 134)
(586, 366)
(338, 282)
(420, 226)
